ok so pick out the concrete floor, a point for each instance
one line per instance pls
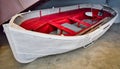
(103, 54)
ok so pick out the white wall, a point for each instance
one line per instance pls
(57, 3)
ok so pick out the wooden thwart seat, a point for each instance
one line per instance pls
(80, 22)
(63, 28)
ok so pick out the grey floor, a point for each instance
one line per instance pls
(103, 54)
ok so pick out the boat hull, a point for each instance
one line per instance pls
(28, 45)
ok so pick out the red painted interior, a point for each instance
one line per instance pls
(52, 22)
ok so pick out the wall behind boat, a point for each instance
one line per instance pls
(58, 3)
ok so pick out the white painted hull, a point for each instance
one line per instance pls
(28, 45)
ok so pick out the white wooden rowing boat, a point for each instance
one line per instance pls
(29, 45)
